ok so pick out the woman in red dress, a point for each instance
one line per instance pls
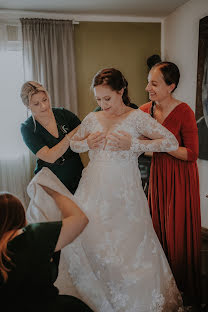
(174, 183)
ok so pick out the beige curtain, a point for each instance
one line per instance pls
(48, 56)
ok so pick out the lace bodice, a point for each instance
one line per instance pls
(136, 123)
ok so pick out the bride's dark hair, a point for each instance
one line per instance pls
(113, 78)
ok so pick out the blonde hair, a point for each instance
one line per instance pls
(30, 88)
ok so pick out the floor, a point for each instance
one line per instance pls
(204, 275)
(204, 269)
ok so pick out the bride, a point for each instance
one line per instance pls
(117, 264)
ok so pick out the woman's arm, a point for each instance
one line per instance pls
(74, 219)
(189, 133)
(162, 140)
(190, 139)
(36, 143)
(50, 155)
(84, 139)
(180, 153)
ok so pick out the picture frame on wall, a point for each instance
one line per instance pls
(202, 89)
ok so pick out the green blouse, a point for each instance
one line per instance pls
(67, 168)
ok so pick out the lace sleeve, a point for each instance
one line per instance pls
(162, 140)
(78, 142)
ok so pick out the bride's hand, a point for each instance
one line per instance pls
(120, 142)
(95, 139)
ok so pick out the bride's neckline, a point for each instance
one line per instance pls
(122, 116)
(113, 123)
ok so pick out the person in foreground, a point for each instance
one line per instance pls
(117, 264)
(47, 132)
(27, 269)
(174, 198)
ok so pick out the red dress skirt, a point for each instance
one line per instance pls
(174, 202)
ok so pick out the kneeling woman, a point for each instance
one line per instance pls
(27, 267)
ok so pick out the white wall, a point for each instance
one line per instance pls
(181, 31)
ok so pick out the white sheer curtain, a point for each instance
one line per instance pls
(15, 165)
(48, 51)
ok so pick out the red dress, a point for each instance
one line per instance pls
(174, 201)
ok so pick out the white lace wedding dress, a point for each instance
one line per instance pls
(117, 264)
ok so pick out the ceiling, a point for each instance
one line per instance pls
(142, 8)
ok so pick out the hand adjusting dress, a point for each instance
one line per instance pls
(117, 263)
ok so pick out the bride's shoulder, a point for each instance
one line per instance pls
(89, 116)
(89, 120)
(98, 112)
(142, 118)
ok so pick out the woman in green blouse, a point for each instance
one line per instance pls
(47, 133)
(27, 267)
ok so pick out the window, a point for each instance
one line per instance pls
(12, 110)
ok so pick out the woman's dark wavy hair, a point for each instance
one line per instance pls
(12, 218)
(170, 72)
(114, 79)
